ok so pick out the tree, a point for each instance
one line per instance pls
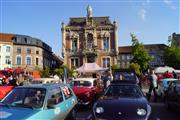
(45, 72)
(114, 67)
(140, 54)
(136, 68)
(172, 55)
(60, 71)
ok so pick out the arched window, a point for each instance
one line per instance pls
(89, 40)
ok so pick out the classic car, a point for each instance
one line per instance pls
(87, 90)
(122, 100)
(44, 81)
(125, 74)
(172, 96)
(42, 102)
(163, 85)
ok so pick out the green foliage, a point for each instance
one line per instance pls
(114, 67)
(136, 67)
(172, 56)
(60, 71)
(37, 68)
(140, 54)
(45, 72)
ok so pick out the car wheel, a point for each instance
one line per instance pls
(72, 115)
(166, 104)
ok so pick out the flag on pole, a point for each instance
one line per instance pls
(65, 76)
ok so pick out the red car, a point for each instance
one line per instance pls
(87, 90)
(4, 90)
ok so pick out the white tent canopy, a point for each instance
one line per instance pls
(90, 68)
(164, 69)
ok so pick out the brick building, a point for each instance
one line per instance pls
(155, 51)
(90, 39)
(176, 38)
(26, 52)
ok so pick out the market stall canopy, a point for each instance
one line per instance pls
(164, 69)
(90, 68)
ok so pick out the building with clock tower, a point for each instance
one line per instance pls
(90, 39)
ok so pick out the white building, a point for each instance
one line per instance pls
(6, 51)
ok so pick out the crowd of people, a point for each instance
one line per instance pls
(15, 80)
(153, 80)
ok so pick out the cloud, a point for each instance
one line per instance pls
(170, 4)
(142, 14)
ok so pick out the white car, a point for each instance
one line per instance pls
(44, 81)
(163, 85)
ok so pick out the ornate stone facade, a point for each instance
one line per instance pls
(90, 39)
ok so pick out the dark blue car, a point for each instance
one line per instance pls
(122, 100)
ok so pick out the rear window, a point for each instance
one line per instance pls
(81, 83)
(124, 76)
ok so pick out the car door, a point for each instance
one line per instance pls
(55, 106)
(70, 99)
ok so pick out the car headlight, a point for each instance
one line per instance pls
(99, 110)
(141, 112)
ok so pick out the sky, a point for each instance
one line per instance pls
(152, 21)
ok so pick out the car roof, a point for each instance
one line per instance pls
(44, 79)
(45, 86)
(168, 79)
(85, 79)
(123, 82)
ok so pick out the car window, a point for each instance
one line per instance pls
(124, 76)
(55, 96)
(81, 83)
(67, 92)
(26, 97)
(123, 91)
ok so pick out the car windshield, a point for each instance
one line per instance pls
(123, 91)
(124, 76)
(26, 97)
(178, 87)
(82, 83)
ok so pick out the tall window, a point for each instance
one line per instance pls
(74, 62)
(37, 52)
(89, 41)
(18, 60)
(74, 44)
(18, 50)
(106, 62)
(37, 61)
(106, 43)
(28, 50)
(7, 60)
(28, 60)
(7, 49)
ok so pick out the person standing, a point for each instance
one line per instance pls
(153, 85)
(174, 75)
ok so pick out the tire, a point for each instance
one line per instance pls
(72, 115)
(167, 104)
